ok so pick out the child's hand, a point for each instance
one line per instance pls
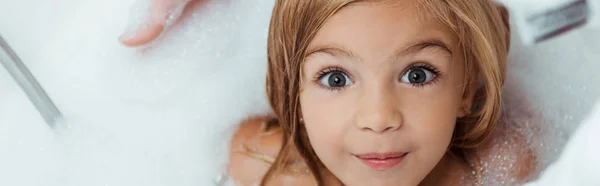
(161, 13)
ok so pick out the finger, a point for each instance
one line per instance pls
(152, 21)
(142, 36)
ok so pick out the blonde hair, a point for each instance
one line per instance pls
(478, 24)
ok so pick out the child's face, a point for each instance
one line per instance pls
(381, 93)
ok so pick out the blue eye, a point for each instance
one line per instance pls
(335, 79)
(418, 75)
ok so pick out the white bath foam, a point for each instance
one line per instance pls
(26, 24)
(160, 115)
(557, 80)
(579, 160)
(29, 152)
(550, 88)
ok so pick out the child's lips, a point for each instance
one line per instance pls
(382, 161)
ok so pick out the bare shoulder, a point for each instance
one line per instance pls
(507, 158)
(253, 149)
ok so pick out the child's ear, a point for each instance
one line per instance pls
(468, 98)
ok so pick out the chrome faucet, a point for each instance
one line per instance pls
(36, 94)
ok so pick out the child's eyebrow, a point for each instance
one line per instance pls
(413, 49)
(333, 51)
(416, 48)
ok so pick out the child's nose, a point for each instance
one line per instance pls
(379, 111)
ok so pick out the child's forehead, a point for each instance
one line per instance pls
(380, 29)
(423, 12)
(406, 17)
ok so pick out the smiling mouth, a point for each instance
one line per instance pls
(382, 161)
